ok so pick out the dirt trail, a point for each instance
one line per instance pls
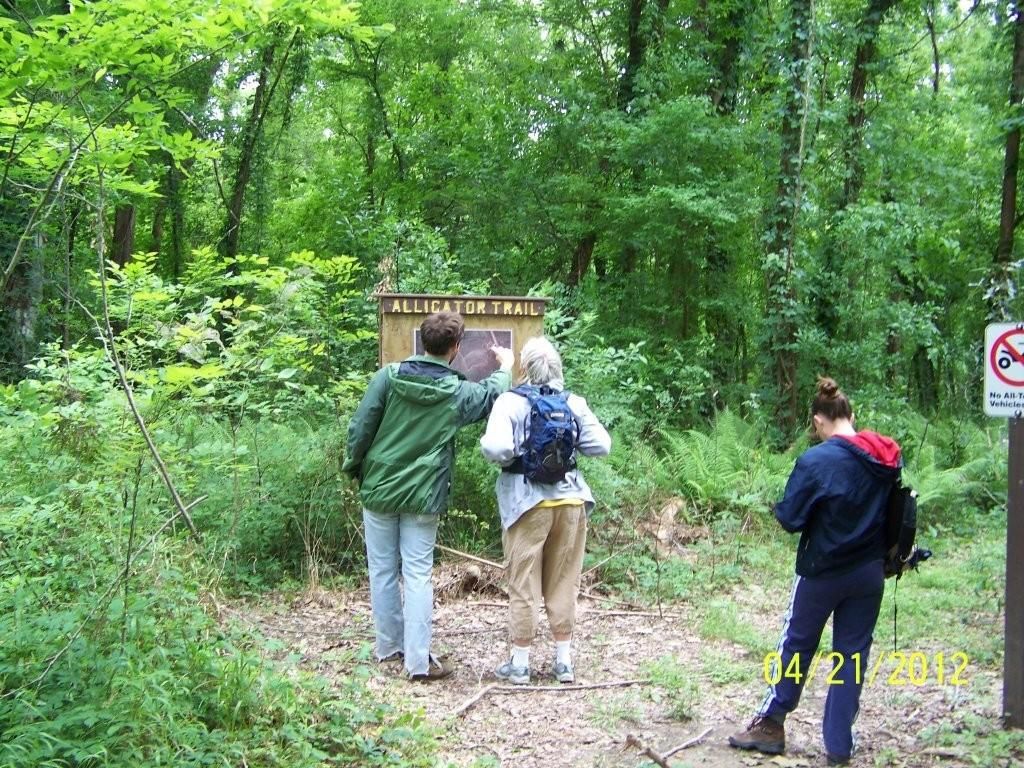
(716, 683)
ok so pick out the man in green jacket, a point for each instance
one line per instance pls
(401, 448)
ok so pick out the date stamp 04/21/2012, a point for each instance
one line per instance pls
(894, 668)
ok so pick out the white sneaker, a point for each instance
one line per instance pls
(563, 672)
(513, 674)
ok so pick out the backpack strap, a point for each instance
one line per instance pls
(531, 395)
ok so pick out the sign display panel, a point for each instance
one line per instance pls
(1004, 370)
(475, 358)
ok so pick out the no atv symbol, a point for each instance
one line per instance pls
(1004, 369)
(1006, 359)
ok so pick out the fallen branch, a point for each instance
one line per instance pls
(688, 743)
(595, 567)
(649, 614)
(633, 741)
(468, 556)
(498, 688)
(603, 598)
(949, 753)
(451, 632)
(473, 700)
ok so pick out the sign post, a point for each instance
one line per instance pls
(1004, 396)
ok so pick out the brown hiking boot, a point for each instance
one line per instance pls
(763, 734)
(438, 668)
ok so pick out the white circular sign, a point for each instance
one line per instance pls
(1004, 370)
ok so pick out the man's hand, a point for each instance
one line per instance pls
(506, 357)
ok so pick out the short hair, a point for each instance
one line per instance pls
(830, 401)
(540, 363)
(441, 331)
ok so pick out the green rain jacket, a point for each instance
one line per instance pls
(401, 439)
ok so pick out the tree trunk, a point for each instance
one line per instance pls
(724, 40)
(782, 221)
(123, 243)
(69, 260)
(826, 312)
(635, 45)
(724, 52)
(170, 202)
(20, 313)
(156, 232)
(177, 224)
(929, 16)
(637, 42)
(864, 58)
(923, 381)
(251, 133)
(999, 301)
(370, 71)
(1008, 212)
(581, 259)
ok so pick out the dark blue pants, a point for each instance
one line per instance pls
(853, 600)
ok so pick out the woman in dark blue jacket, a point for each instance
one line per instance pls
(836, 499)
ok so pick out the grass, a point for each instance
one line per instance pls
(722, 620)
(673, 686)
(720, 668)
(611, 711)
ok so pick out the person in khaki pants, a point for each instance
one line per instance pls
(544, 525)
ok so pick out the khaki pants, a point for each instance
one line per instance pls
(544, 556)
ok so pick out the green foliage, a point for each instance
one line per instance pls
(728, 478)
(730, 468)
(622, 158)
(980, 741)
(674, 687)
(110, 655)
(243, 378)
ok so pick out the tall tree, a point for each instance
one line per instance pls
(780, 238)
(1008, 220)
(644, 23)
(865, 37)
(863, 59)
(273, 58)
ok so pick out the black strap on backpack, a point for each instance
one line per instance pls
(900, 528)
(901, 553)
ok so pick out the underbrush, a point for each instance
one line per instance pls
(692, 513)
(111, 652)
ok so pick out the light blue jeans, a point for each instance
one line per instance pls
(408, 539)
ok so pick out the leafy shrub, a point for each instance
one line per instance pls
(108, 654)
(730, 467)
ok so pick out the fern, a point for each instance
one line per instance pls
(726, 468)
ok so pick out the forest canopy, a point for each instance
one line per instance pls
(756, 194)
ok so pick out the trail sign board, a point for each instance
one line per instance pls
(1004, 370)
(506, 321)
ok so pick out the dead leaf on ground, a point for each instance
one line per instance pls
(669, 535)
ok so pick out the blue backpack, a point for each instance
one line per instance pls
(549, 448)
